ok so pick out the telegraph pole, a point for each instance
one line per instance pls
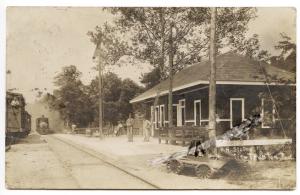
(170, 97)
(100, 102)
(97, 54)
(212, 82)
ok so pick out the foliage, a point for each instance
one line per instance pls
(78, 103)
(116, 94)
(151, 78)
(285, 104)
(285, 60)
(287, 57)
(251, 47)
(71, 99)
(148, 32)
(150, 29)
(109, 47)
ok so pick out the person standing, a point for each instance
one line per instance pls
(15, 102)
(129, 125)
(73, 128)
(147, 129)
(118, 129)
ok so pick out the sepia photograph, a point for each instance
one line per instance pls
(177, 98)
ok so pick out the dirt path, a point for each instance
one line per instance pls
(48, 163)
(51, 164)
(31, 164)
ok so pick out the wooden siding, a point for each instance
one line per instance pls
(250, 94)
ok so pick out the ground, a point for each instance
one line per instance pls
(65, 161)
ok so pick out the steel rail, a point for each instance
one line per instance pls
(105, 161)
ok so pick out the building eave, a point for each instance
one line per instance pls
(164, 92)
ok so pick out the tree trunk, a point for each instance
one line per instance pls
(212, 82)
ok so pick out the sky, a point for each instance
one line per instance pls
(42, 40)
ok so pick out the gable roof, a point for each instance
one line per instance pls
(232, 68)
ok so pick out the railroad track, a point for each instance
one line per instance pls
(98, 156)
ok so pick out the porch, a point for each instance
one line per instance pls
(182, 134)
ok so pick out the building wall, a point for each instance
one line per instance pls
(252, 98)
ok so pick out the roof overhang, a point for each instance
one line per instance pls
(164, 92)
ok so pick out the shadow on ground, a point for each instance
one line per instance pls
(31, 139)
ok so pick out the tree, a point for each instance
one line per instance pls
(71, 98)
(287, 57)
(112, 48)
(117, 94)
(151, 78)
(150, 34)
(108, 51)
(251, 47)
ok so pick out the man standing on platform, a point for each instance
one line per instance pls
(147, 129)
(129, 125)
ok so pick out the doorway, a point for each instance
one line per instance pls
(197, 112)
(237, 113)
(181, 113)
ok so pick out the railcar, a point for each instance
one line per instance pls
(18, 120)
(42, 125)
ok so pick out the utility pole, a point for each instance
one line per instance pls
(170, 98)
(162, 64)
(212, 81)
(100, 102)
(162, 23)
(97, 54)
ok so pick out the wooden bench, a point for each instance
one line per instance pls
(182, 134)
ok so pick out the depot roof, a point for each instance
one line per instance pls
(231, 69)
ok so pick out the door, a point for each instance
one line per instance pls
(181, 113)
(236, 111)
(175, 106)
(162, 115)
(156, 117)
(197, 112)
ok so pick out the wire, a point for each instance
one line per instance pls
(273, 100)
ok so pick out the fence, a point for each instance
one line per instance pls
(108, 131)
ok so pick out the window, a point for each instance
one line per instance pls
(155, 116)
(267, 113)
(152, 114)
(181, 113)
(162, 115)
(158, 116)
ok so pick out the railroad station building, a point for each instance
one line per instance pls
(244, 87)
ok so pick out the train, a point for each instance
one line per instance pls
(42, 125)
(18, 120)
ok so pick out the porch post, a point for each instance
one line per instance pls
(212, 82)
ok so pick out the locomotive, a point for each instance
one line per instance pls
(42, 125)
(18, 120)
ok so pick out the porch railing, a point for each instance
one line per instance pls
(182, 134)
